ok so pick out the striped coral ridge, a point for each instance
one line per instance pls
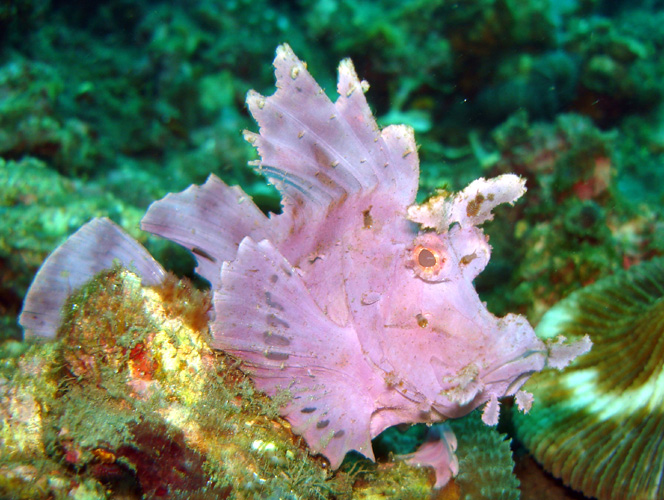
(599, 426)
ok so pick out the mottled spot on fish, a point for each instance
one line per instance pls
(308, 409)
(273, 339)
(422, 322)
(202, 253)
(272, 303)
(275, 321)
(287, 270)
(467, 259)
(338, 434)
(369, 298)
(326, 180)
(276, 356)
(323, 158)
(322, 424)
(368, 220)
(274, 278)
(473, 207)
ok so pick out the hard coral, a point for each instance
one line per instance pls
(599, 426)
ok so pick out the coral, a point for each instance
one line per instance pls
(485, 462)
(618, 73)
(598, 425)
(26, 383)
(542, 85)
(30, 124)
(575, 225)
(486, 467)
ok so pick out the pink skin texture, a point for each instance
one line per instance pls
(355, 300)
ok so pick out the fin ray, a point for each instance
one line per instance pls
(331, 148)
(209, 220)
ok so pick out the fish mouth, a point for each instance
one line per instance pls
(473, 386)
(507, 378)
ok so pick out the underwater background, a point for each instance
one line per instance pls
(108, 106)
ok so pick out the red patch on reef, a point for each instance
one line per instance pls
(598, 183)
(143, 366)
(160, 461)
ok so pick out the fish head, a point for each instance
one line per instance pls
(422, 321)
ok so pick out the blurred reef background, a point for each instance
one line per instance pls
(107, 106)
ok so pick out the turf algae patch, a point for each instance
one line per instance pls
(599, 425)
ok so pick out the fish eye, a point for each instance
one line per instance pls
(426, 258)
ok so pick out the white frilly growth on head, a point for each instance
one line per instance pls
(470, 207)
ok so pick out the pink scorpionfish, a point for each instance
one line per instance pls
(355, 300)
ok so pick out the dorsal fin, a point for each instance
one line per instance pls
(209, 220)
(317, 152)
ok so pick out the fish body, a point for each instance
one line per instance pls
(355, 300)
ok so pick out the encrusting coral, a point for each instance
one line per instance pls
(599, 425)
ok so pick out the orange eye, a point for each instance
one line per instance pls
(426, 258)
(427, 262)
